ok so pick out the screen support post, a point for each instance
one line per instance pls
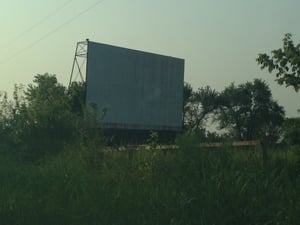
(79, 61)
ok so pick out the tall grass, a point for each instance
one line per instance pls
(184, 186)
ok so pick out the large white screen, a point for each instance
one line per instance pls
(140, 90)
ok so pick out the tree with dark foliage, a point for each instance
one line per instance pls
(198, 105)
(249, 111)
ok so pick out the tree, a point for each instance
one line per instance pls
(45, 123)
(187, 95)
(291, 131)
(76, 94)
(5, 110)
(249, 111)
(5, 116)
(198, 105)
(45, 117)
(285, 61)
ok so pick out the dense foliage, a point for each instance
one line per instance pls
(291, 131)
(250, 112)
(198, 105)
(41, 119)
(246, 111)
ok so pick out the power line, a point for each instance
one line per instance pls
(52, 31)
(43, 20)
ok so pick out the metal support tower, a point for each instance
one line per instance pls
(79, 61)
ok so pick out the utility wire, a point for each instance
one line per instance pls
(52, 31)
(43, 20)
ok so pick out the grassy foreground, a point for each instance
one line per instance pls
(185, 186)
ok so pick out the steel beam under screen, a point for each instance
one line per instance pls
(139, 90)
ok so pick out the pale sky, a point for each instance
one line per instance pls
(219, 39)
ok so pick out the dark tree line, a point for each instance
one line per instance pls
(246, 111)
(46, 116)
(42, 118)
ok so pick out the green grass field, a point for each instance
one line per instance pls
(184, 186)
